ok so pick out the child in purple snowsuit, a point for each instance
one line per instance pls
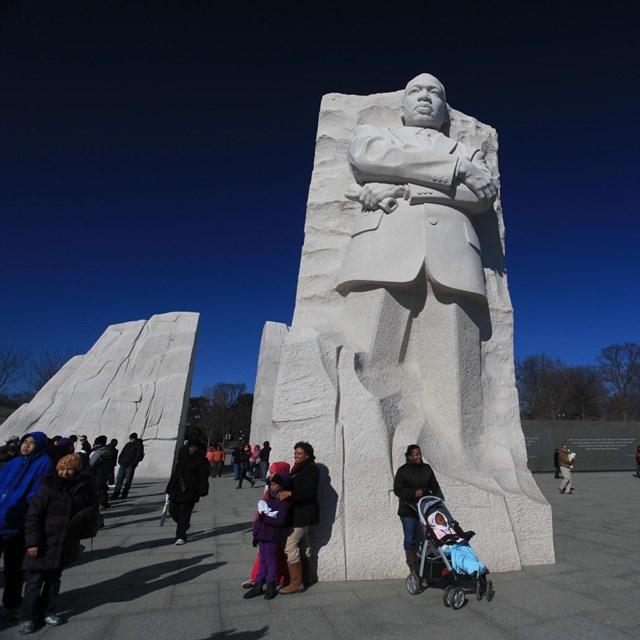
(267, 534)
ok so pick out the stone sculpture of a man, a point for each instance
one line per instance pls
(414, 264)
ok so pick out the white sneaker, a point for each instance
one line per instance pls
(180, 541)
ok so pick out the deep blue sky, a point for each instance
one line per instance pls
(155, 156)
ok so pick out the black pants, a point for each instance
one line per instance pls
(181, 514)
(245, 475)
(41, 590)
(12, 548)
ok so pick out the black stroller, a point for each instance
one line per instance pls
(435, 570)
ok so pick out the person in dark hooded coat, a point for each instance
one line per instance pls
(58, 514)
(19, 481)
(188, 483)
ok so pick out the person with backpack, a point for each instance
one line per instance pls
(131, 455)
(59, 515)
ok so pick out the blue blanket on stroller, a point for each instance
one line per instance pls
(464, 559)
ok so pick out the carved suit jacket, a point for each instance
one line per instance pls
(431, 226)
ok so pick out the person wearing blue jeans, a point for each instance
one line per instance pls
(413, 480)
(235, 461)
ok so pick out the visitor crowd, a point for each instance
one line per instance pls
(53, 493)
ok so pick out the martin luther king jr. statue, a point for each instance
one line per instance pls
(402, 333)
(415, 262)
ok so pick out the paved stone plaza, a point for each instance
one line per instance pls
(139, 585)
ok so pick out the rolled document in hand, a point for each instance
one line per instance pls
(388, 205)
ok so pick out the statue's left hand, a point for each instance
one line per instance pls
(478, 180)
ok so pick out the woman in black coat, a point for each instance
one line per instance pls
(304, 512)
(413, 480)
(58, 514)
(188, 483)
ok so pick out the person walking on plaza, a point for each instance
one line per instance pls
(304, 512)
(236, 455)
(188, 483)
(58, 514)
(217, 462)
(19, 481)
(131, 455)
(638, 462)
(245, 465)
(556, 464)
(565, 468)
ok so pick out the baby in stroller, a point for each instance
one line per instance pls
(446, 559)
(463, 558)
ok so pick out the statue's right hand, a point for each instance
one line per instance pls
(373, 193)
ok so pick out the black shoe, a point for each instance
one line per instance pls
(255, 591)
(271, 591)
(239, 487)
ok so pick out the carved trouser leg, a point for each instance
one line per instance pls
(420, 356)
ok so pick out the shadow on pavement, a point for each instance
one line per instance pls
(144, 545)
(239, 635)
(121, 589)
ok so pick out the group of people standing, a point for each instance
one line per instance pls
(250, 462)
(51, 495)
(281, 526)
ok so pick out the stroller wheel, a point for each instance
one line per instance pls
(447, 597)
(457, 598)
(481, 587)
(490, 591)
(413, 584)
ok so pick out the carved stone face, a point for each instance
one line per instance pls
(424, 103)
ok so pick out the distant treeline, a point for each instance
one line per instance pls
(607, 390)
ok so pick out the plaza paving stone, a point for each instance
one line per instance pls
(135, 583)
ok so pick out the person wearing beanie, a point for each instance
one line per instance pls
(267, 535)
(283, 573)
(19, 481)
(57, 517)
(188, 483)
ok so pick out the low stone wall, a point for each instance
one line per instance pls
(599, 446)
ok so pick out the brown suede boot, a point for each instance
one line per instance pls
(412, 561)
(295, 586)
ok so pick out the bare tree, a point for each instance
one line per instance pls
(619, 369)
(224, 394)
(218, 407)
(13, 362)
(43, 368)
(543, 386)
(585, 393)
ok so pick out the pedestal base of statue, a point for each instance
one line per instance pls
(320, 398)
